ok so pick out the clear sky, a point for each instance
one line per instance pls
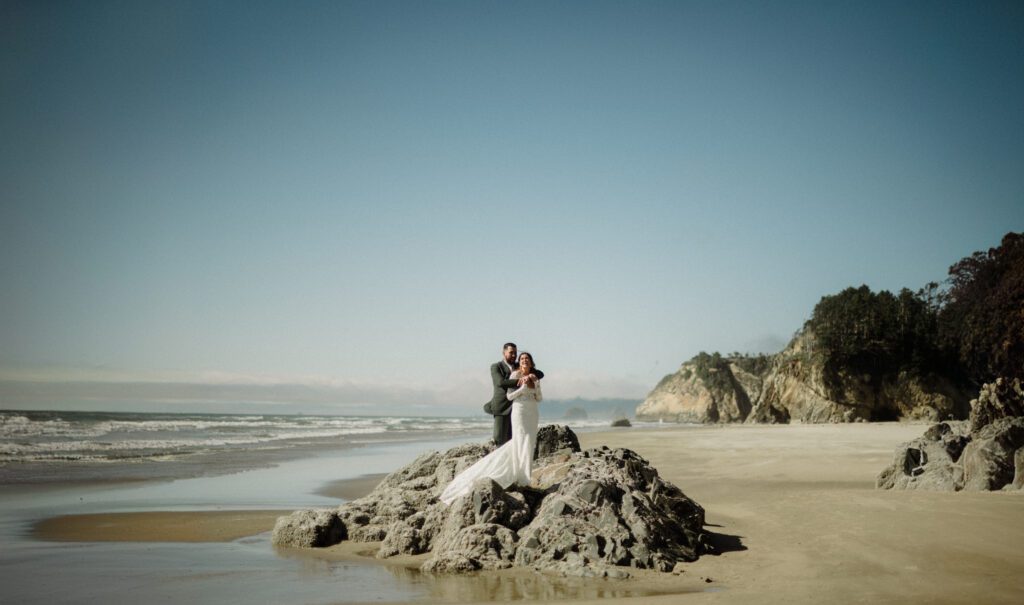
(370, 197)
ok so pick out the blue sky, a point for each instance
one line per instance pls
(373, 196)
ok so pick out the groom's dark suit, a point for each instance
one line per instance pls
(500, 406)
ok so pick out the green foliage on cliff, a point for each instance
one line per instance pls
(713, 370)
(753, 364)
(863, 332)
(968, 330)
(973, 329)
(981, 323)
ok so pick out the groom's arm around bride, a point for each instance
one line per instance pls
(500, 406)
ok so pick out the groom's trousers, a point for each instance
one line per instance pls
(502, 428)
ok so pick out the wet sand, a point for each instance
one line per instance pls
(183, 526)
(204, 526)
(350, 489)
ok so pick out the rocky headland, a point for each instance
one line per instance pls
(592, 513)
(796, 385)
(983, 453)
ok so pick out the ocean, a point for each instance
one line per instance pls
(62, 446)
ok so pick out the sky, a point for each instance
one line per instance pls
(354, 204)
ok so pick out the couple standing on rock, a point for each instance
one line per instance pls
(516, 415)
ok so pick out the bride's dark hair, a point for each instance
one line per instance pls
(533, 366)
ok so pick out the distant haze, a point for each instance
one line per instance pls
(353, 204)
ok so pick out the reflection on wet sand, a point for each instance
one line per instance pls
(506, 585)
(516, 585)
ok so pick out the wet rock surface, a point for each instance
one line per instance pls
(983, 453)
(598, 512)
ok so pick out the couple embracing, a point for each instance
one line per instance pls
(517, 392)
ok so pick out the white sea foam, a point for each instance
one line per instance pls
(77, 436)
(56, 436)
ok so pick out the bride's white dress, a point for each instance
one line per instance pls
(513, 461)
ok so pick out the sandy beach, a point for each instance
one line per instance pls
(795, 509)
(799, 506)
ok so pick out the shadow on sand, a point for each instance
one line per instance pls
(717, 543)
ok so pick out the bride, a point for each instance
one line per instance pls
(513, 461)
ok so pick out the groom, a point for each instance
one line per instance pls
(499, 406)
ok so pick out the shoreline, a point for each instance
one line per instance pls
(184, 526)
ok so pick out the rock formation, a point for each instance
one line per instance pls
(984, 453)
(792, 386)
(591, 513)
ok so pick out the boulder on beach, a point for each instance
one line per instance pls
(983, 453)
(586, 513)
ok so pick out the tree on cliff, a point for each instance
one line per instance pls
(876, 333)
(981, 321)
(973, 329)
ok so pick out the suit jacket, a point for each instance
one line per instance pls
(499, 405)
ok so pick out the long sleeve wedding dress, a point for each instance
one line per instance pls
(513, 461)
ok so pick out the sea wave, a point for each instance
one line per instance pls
(27, 436)
(76, 436)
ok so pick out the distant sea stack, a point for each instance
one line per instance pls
(795, 385)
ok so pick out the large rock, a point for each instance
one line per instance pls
(487, 503)
(553, 438)
(593, 513)
(793, 385)
(989, 459)
(929, 462)
(483, 545)
(311, 528)
(612, 509)
(985, 453)
(1003, 398)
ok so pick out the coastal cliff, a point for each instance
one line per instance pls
(796, 385)
(870, 356)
